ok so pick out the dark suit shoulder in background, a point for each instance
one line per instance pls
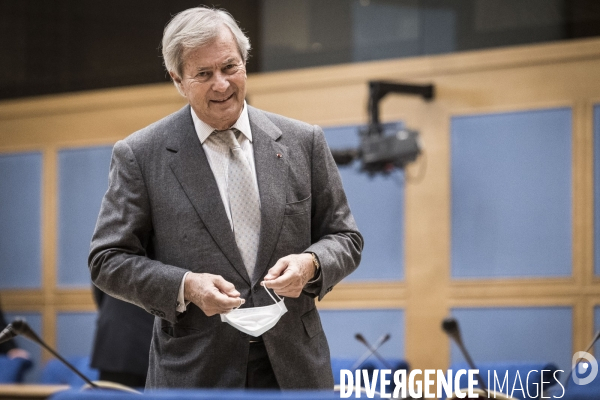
(123, 335)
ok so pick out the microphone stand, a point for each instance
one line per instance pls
(450, 326)
(372, 350)
(20, 327)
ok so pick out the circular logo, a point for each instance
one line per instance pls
(588, 367)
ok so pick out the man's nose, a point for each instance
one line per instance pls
(221, 83)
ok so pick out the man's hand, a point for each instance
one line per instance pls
(212, 293)
(290, 274)
(18, 353)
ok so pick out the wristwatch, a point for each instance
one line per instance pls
(315, 261)
(316, 264)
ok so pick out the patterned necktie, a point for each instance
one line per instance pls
(243, 201)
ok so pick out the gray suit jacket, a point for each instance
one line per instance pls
(162, 216)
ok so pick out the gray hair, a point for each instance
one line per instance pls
(196, 27)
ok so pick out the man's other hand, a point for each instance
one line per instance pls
(290, 274)
(212, 293)
(18, 353)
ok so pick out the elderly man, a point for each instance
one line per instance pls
(212, 205)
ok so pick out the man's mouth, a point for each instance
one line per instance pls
(224, 100)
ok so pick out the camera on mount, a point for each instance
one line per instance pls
(384, 147)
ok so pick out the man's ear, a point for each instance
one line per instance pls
(177, 83)
(175, 78)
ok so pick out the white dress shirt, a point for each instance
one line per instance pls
(218, 155)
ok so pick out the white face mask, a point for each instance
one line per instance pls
(256, 320)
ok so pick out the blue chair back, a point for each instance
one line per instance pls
(12, 370)
(395, 364)
(56, 373)
(525, 378)
(199, 394)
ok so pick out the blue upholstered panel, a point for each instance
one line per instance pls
(83, 180)
(12, 370)
(341, 325)
(197, 394)
(371, 364)
(20, 220)
(34, 320)
(523, 380)
(597, 188)
(56, 372)
(377, 205)
(516, 334)
(511, 194)
(75, 333)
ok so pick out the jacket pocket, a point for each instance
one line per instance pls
(312, 323)
(177, 331)
(298, 207)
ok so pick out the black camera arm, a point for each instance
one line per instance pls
(379, 89)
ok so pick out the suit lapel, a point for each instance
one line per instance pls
(193, 172)
(271, 172)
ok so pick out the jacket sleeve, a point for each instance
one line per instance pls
(120, 257)
(334, 235)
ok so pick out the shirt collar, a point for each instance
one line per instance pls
(203, 130)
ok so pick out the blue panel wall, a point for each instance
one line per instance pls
(597, 188)
(528, 334)
(20, 220)
(511, 194)
(83, 180)
(341, 325)
(377, 205)
(34, 320)
(75, 333)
